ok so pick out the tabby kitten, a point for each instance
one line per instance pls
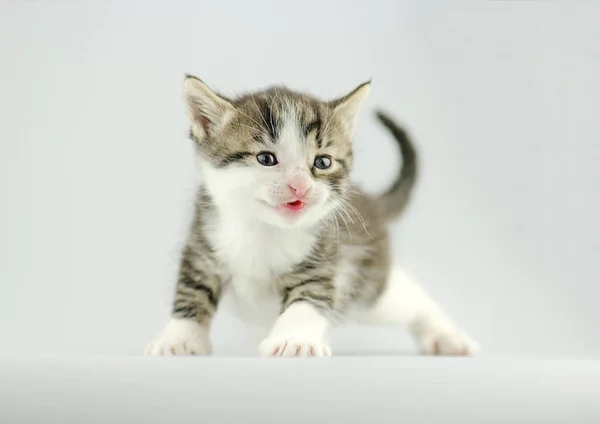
(279, 226)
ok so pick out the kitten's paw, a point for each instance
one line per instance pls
(181, 337)
(282, 346)
(451, 342)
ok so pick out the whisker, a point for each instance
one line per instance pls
(337, 226)
(360, 193)
(271, 107)
(332, 132)
(258, 110)
(250, 118)
(362, 220)
(328, 122)
(249, 127)
(343, 209)
(345, 223)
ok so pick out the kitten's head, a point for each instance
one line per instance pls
(277, 155)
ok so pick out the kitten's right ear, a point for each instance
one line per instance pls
(207, 110)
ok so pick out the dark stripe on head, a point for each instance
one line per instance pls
(308, 128)
(258, 138)
(270, 121)
(315, 125)
(319, 136)
(312, 126)
(343, 163)
(234, 158)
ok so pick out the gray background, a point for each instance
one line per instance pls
(96, 173)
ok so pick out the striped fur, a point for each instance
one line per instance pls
(332, 256)
(350, 227)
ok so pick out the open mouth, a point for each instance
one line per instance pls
(295, 206)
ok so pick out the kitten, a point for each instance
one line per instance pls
(279, 225)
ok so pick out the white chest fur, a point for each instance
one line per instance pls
(255, 254)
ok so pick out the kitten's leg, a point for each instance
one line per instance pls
(301, 328)
(196, 298)
(405, 302)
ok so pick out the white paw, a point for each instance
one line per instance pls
(450, 342)
(181, 337)
(281, 346)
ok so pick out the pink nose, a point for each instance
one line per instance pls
(299, 188)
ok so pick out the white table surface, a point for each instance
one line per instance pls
(382, 389)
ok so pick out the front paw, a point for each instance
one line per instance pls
(290, 346)
(448, 342)
(181, 337)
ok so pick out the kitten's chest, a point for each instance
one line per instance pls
(254, 258)
(260, 252)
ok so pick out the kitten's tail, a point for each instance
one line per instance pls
(395, 199)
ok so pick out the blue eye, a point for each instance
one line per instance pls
(266, 159)
(322, 162)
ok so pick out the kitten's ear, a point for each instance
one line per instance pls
(207, 110)
(347, 107)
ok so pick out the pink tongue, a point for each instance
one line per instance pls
(296, 205)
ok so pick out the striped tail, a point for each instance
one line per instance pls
(396, 198)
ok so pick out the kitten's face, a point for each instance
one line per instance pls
(278, 156)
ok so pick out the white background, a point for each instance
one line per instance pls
(96, 172)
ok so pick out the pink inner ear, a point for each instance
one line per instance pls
(205, 123)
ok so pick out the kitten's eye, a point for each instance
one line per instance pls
(266, 159)
(322, 162)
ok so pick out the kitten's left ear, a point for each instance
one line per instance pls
(207, 110)
(347, 107)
